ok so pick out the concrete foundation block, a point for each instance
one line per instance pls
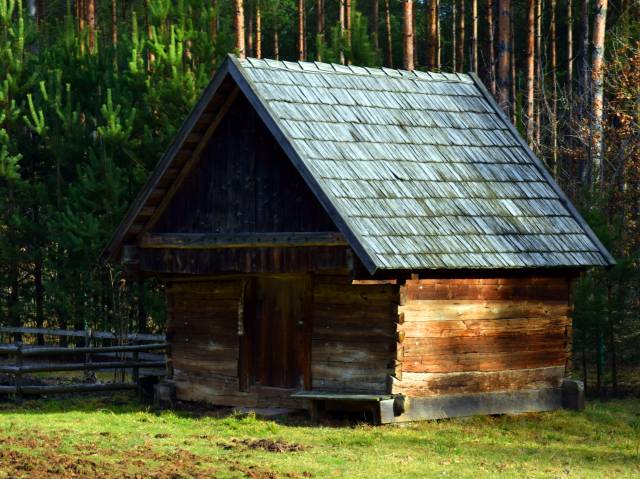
(573, 394)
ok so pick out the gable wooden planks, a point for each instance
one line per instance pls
(243, 183)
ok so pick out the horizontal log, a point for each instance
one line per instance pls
(489, 289)
(59, 351)
(359, 353)
(348, 372)
(435, 384)
(76, 388)
(442, 310)
(33, 368)
(241, 240)
(447, 363)
(377, 386)
(483, 327)
(81, 334)
(415, 347)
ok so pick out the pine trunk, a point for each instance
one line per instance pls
(213, 27)
(249, 38)
(258, 31)
(319, 29)
(554, 89)
(539, 73)
(432, 33)
(454, 23)
(239, 27)
(408, 35)
(150, 56)
(504, 56)
(375, 21)
(460, 37)
(301, 52)
(387, 23)
(474, 36)
(570, 47)
(91, 25)
(514, 97)
(347, 20)
(531, 65)
(583, 81)
(114, 24)
(342, 30)
(597, 88)
(491, 54)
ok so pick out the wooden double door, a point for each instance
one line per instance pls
(275, 350)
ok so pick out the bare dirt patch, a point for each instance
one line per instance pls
(264, 444)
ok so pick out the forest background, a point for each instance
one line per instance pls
(92, 91)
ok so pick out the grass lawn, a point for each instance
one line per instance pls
(118, 437)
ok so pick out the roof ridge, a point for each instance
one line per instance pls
(337, 68)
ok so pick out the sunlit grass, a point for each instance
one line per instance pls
(118, 437)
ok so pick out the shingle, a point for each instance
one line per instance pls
(421, 167)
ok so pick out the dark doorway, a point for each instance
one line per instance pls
(278, 332)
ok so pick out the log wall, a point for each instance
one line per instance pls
(353, 339)
(465, 336)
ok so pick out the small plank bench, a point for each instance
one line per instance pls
(379, 405)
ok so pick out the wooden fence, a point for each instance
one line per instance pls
(22, 352)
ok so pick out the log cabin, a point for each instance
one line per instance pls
(336, 237)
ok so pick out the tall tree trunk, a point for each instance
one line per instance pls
(570, 48)
(597, 89)
(474, 36)
(301, 52)
(531, 68)
(491, 54)
(114, 24)
(80, 14)
(539, 73)
(343, 28)
(151, 58)
(319, 29)
(432, 34)
(91, 24)
(454, 36)
(347, 20)
(258, 30)
(249, 38)
(460, 37)
(276, 41)
(387, 24)
(213, 26)
(375, 22)
(504, 56)
(514, 97)
(584, 98)
(554, 89)
(438, 37)
(407, 34)
(238, 21)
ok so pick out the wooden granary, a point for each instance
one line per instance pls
(335, 236)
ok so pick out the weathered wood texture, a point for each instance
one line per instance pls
(350, 329)
(243, 183)
(467, 336)
(245, 260)
(353, 339)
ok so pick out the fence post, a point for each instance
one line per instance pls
(18, 374)
(136, 370)
(87, 357)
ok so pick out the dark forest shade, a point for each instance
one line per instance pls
(272, 298)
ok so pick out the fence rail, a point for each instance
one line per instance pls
(129, 359)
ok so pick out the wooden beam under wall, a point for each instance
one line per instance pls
(195, 157)
(248, 240)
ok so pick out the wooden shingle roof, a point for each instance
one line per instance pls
(418, 170)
